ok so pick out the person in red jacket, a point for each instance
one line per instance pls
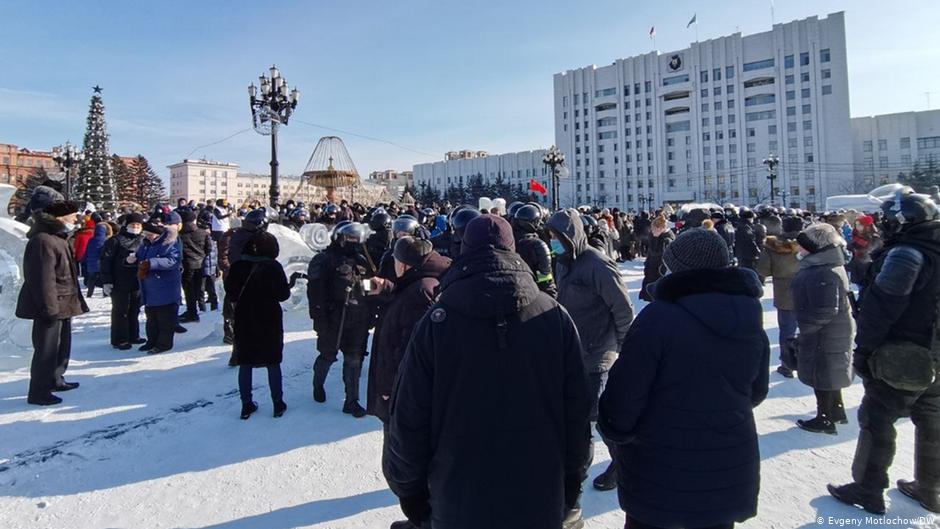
(80, 241)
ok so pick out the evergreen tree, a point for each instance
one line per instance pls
(149, 186)
(456, 195)
(95, 183)
(24, 190)
(410, 190)
(475, 189)
(922, 178)
(428, 195)
(127, 188)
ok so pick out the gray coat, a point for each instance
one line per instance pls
(590, 289)
(820, 302)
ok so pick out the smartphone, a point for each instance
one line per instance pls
(366, 285)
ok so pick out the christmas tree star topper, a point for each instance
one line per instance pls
(97, 89)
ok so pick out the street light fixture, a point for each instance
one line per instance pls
(772, 162)
(269, 111)
(554, 159)
(67, 156)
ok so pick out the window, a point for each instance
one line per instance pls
(804, 59)
(678, 126)
(763, 81)
(751, 132)
(626, 90)
(791, 95)
(606, 122)
(716, 74)
(788, 61)
(772, 130)
(605, 92)
(808, 141)
(807, 109)
(790, 79)
(826, 89)
(729, 89)
(706, 136)
(791, 143)
(804, 93)
(717, 106)
(607, 135)
(703, 76)
(791, 111)
(636, 88)
(758, 116)
(564, 101)
(729, 72)
(804, 77)
(824, 55)
(675, 79)
(807, 125)
(704, 107)
(647, 87)
(706, 151)
(716, 91)
(931, 142)
(758, 65)
(809, 157)
(826, 74)
(751, 147)
(704, 92)
(866, 146)
(760, 99)
(882, 145)
(906, 142)
(718, 120)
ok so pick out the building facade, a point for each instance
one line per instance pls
(516, 169)
(888, 145)
(394, 181)
(696, 124)
(203, 180)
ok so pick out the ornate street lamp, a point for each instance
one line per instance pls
(772, 162)
(67, 156)
(641, 198)
(554, 159)
(270, 110)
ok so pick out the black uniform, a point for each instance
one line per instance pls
(125, 288)
(341, 314)
(377, 244)
(536, 254)
(746, 249)
(901, 303)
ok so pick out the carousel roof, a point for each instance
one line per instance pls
(330, 165)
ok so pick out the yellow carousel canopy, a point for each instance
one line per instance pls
(330, 165)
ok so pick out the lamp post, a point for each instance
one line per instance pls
(270, 110)
(553, 159)
(772, 162)
(642, 199)
(67, 156)
(650, 200)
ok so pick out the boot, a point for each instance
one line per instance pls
(854, 494)
(202, 306)
(838, 409)
(248, 409)
(822, 423)
(573, 519)
(927, 500)
(351, 376)
(321, 367)
(44, 400)
(785, 371)
(607, 480)
(279, 408)
(228, 330)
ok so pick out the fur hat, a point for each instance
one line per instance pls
(792, 225)
(133, 218)
(411, 251)
(61, 208)
(819, 237)
(150, 227)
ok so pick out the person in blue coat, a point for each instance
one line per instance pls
(93, 255)
(160, 278)
(678, 405)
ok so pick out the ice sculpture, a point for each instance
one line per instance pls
(14, 333)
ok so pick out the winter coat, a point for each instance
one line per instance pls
(115, 270)
(412, 294)
(195, 246)
(590, 289)
(377, 244)
(164, 279)
(653, 267)
(726, 230)
(490, 410)
(862, 245)
(80, 241)
(779, 261)
(232, 243)
(678, 402)
(50, 288)
(256, 286)
(821, 306)
(93, 249)
(211, 263)
(220, 220)
(746, 247)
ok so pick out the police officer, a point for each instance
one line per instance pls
(340, 311)
(898, 314)
(381, 238)
(526, 226)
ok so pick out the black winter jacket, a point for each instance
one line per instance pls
(115, 269)
(50, 288)
(256, 287)
(679, 404)
(490, 411)
(196, 246)
(653, 267)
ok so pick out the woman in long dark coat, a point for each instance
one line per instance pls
(256, 285)
(660, 237)
(821, 306)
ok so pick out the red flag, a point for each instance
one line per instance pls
(537, 187)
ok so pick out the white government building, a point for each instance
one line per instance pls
(459, 167)
(696, 124)
(890, 144)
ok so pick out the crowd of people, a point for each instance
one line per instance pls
(500, 337)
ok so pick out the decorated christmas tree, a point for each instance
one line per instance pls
(95, 183)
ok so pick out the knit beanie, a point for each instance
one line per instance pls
(488, 230)
(173, 218)
(411, 251)
(697, 249)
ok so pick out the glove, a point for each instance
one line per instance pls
(572, 492)
(107, 289)
(416, 508)
(860, 363)
(143, 269)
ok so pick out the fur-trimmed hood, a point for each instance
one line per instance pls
(781, 244)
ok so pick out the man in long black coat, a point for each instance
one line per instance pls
(51, 297)
(119, 278)
(489, 418)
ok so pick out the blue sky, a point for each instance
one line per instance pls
(432, 75)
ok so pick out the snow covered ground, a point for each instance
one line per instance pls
(156, 442)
